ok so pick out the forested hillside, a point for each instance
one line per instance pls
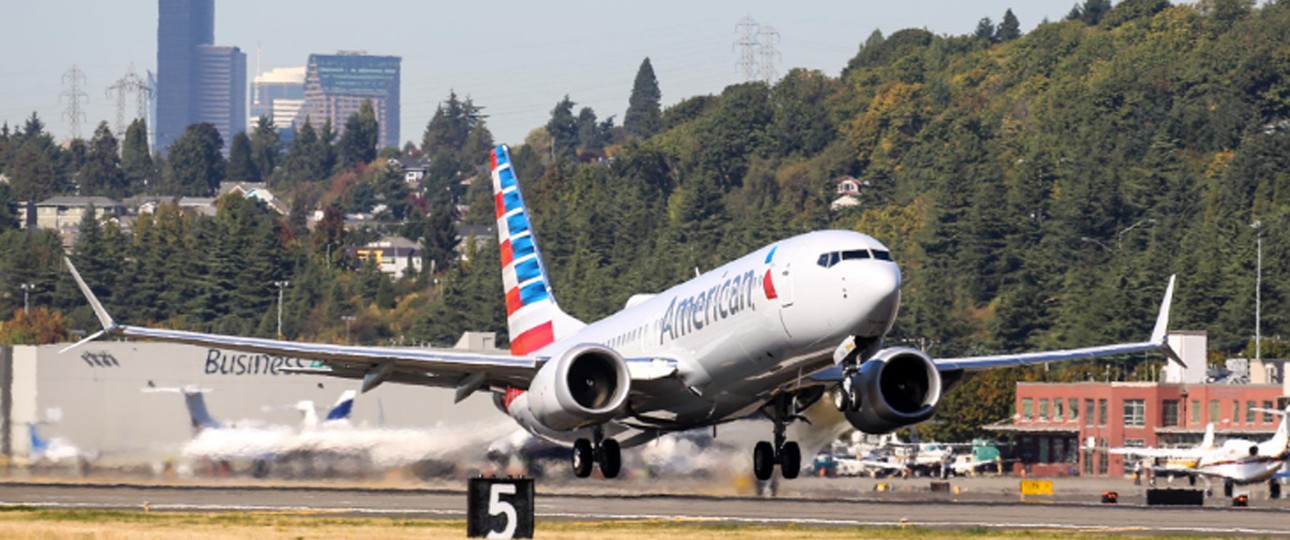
(1037, 191)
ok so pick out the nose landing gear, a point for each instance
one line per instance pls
(605, 452)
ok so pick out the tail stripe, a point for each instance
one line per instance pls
(533, 339)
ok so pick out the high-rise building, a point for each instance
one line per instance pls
(337, 84)
(278, 95)
(182, 26)
(221, 90)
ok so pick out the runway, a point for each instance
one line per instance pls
(854, 512)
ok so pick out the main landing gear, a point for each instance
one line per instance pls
(602, 451)
(786, 454)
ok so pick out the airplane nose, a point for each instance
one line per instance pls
(879, 298)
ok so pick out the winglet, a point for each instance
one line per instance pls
(102, 314)
(1160, 334)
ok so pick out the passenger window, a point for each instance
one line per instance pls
(857, 254)
(881, 255)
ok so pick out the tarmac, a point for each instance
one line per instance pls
(993, 503)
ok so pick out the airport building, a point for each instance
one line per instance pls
(1068, 428)
(337, 84)
(102, 398)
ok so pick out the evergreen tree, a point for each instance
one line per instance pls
(644, 115)
(196, 165)
(984, 29)
(136, 161)
(265, 152)
(439, 232)
(478, 144)
(102, 173)
(358, 142)
(32, 175)
(1009, 29)
(450, 127)
(563, 128)
(241, 167)
(326, 149)
(306, 158)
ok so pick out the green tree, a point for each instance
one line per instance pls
(563, 128)
(1009, 29)
(439, 232)
(358, 142)
(265, 150)
(985, 29)
(196, 165)
(241, 166)
(644, 115)
(306, 159)
(101, 174)
(450, 127)
(32, 175)
(136, 161)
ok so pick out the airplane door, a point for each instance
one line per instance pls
(782, 278)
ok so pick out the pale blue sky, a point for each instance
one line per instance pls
(517, 59)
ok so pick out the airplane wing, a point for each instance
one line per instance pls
(374, 365)
(1164, 453)
(1157, 342)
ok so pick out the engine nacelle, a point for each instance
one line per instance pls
(897, 387)
(587, 385)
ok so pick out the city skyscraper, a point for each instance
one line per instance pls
(197, 81)
(278, 95)
(337, 84)
(182, 26)
(221, 90)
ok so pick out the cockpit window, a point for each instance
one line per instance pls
(827, 260)
(857, 254)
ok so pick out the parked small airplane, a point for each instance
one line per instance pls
(1235, 462)
(53, 451)
(772, 331)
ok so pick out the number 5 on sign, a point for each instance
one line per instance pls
(500, 508)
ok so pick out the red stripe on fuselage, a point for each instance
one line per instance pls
(533, 339)
(492, 155)
(769, 287)
(501, 204)
(507, 254)
(513, 301)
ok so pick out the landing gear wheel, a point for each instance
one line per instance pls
(611, 458)
(1274, 489)
(1191, 480)
(583, 458)
(841, 401)
(790, 460)
(1227, 489)
(763, 460)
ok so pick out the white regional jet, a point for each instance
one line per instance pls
(771, 331)
(1235, 462)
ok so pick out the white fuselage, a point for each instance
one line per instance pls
(738, 339)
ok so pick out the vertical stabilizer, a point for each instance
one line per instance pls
(1207, 443)
(38, 445)
(343, 407)
(533, 318)
(197, 412)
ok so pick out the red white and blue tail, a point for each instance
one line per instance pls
(534, 319)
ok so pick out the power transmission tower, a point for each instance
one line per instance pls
(747, 45)
(767, 38)
(131, 83)
(74, 81)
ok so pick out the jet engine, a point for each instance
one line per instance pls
(586, 385)
(897, 387)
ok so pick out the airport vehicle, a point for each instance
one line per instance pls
(1235, 462)
(772, 331)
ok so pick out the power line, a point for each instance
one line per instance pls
(130, 83)
(748, 46)
(74, 80)
(767, 38)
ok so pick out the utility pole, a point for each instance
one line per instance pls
(26, 291)
(280, 285)
(747, 45)
(1258, 291)
(348, 319)
(767, 39)
(130, 83)
(74, 80)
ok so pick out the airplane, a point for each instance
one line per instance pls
(54, 451)
(1235, 462)
(772, 331)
